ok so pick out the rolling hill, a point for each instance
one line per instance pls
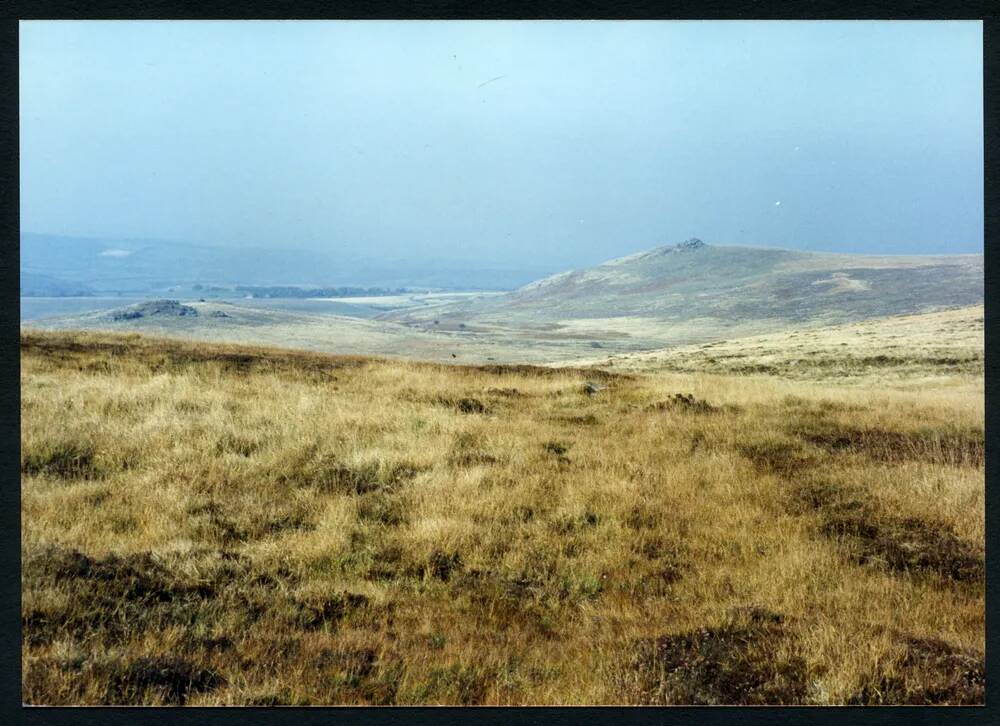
(694, 292)
(688, 294)
(106, 264)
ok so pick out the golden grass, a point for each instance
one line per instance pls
(224, 525)
(944, 348)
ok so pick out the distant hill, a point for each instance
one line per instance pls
(37, 285)
(685, 294)
(694, 292)
(139, 264)
(142, 265)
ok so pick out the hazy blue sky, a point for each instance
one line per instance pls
(565, 143)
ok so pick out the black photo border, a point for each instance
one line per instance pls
(11, 12)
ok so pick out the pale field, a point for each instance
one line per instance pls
(213, 524)
(406, 300)
(342, 334)
(904, 350)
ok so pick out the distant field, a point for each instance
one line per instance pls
(316, 325)
(216, 524)
(409, 300)
(900, 349)
(39, 308)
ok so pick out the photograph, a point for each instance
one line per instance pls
(500, 363)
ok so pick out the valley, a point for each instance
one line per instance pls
(666, 298)
(647, 483)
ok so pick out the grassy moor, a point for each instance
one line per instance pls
(220, 524)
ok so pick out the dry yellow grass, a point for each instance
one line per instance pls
(223, 525)
(945, 348)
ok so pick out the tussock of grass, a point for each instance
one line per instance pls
(910, 544)
(64, 459)
(743, 660)
(222, 525)
(928, 671)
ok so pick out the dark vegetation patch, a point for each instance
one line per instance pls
(738, 662)
(231, 525)
(359, 661)
(470, 405)
(684, 402)
(505, 392)
(756, 369)
(816, 407)
(113, 596)
(68, 460)
(213, 643)
(522, 513)
(467, 450)
(377, 683)
(777, 456)
(274, 698)
(588, 419)
(442, 565)
(904, 544)
(313, 615)
(169, 679)
(162, 679)
(118, 598)
(948, 447)
(817, 362)
(458, 683)
(546, 372)
(557, 449)
(567, 524)
(327, 474)
(931, 672)
(385, 561)
(389, 562)
(657, 582)
(473, 457)
(381, 508)
(643, 516)
(662, 564)
(508, 600)
(347, 667)
(96, 498)
(230, 443)
(908, 544)
(163, 355)
(464, 404)
(886, 361)
(824, 496)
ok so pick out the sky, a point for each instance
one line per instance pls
(559, 143)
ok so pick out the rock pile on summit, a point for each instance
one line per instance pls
(153, 308)
(691, 244)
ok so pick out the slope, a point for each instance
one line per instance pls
(693, 292)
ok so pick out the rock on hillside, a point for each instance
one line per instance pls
(151, 309)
